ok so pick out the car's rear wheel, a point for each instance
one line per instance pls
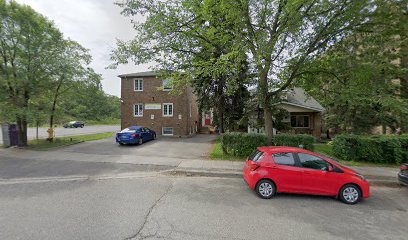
(265, 188)
(140, 141)
(154, 136)
(121, 143)
(350, 194)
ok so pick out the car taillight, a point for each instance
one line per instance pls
(404, 167)
(252, 166)
(134, 135)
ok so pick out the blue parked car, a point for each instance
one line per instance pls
(135, 134)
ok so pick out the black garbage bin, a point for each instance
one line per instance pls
(13, 133)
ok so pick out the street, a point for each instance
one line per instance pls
(100, 190)
(62, 132)
(160, 207)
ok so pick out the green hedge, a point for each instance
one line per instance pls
(377, 149)
(243, 144)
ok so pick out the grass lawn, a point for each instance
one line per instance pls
(43, 144)
(217, 154)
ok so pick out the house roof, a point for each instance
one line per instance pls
(298, 97)
(139, 74)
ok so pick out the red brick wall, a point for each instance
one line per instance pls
(151, 94)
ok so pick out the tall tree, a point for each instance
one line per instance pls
(195, 38)
(278, 36)
(357, 79)
(28, 41)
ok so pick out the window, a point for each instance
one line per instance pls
(299, 121)
(168, 109)
(284, 159)
(167, 85)
(138, 85)
(313, 162)
(256, 156)
(138, 110)
(167, 131)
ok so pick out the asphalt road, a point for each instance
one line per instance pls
(61, 132)
(100, 190)
(163, 207)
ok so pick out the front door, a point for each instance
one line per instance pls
(207, 120)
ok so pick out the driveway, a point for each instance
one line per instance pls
(62, 132)
(183, 148)
(104, 157)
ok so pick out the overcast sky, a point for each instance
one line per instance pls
(95, 24)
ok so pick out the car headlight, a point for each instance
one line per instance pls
(361, 176)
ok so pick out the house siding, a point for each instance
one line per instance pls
(152, 95)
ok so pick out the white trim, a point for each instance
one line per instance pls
(134, 105)
(172, 110)
(172, 130)
(134, 84)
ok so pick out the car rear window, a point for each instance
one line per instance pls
(284, 159)
(256, 156)
(127, 130)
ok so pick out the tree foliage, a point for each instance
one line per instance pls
(37, 66)
(358, 79)
(276, 37)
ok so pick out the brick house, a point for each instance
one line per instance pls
(146, 101)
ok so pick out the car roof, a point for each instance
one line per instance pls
(134, 127)
(281, 149)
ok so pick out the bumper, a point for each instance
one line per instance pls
(365, 187)
(249, 178)
(131, 140)
(403, 179)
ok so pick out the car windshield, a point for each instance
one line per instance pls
(72, 122)
(127, 130)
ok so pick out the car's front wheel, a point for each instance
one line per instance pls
(266, 189)
(140, 141)
(350, 194)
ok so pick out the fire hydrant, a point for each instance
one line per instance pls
(51, 134)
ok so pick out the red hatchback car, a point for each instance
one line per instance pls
(294, 170)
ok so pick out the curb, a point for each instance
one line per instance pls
(378, 181)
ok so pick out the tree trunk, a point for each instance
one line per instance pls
(54, 104)
(22, 132)
(266, 105)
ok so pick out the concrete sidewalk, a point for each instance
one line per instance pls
(375, 175)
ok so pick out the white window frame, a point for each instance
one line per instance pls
(172, 130)
(134, 108)
(138, 85)
(164, 85)
(172, 110)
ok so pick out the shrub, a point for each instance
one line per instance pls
(377, 149)
(243, 144)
